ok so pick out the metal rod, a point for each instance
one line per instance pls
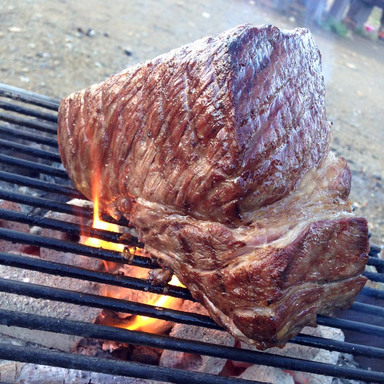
(28, 111)
(374, 249)
(41, 168)
(38, 291)
(95, 301)
(339, 346)
(368, 309)
(44, 266)
(377, 294)
(19, 134)
(38, 153)
(110, 366)
(77, 249)
(42, 126)
(57, 206)
(72, 193)
(69, 228)
(190, 346)
(351, 325)
(29, 97)
(376, 262)
(379, 277)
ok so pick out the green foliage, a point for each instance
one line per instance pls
(337, 27)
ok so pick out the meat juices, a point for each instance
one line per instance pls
(218, 153)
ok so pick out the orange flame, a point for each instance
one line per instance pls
(144, 323)
(100, 224)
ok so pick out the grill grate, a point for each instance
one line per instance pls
(32, 119)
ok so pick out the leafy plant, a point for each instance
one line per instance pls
(336, 27)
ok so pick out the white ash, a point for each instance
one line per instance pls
(346, 360)
(46, 307)
(15, 372)
(42, 374)
(68, 258)
(42, 307)
(13, 302)
(7, 246)
(23, 373)
(194, 362)
(303, 352)
(267, 375)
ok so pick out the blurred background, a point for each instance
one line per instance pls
(58, 47)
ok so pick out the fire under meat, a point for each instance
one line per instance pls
(142, 323)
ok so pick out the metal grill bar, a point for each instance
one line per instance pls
(117, 305)
(57, 206)
(374, 250)
(28, 136)
(41, 126)
(339, 346)
(368, 309)
(76, 229)
(376, 262)
(72, 193)
(350, 325)
(182, 293)
(77, 249)
(63, 270)
(28, 111)
(112, 367)
(69, 228)
(42, 292)
(84, 230)
(141, 338)
(375, 293)
(29, 97)
(379, 277)
(64, 190)
(25, 164)
(38, 153)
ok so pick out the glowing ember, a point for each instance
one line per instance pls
(100, 224)
(148, 324)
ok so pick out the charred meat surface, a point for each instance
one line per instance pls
(218, 153)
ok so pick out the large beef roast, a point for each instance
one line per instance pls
(218, 153)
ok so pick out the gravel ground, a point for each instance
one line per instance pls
(57, 47)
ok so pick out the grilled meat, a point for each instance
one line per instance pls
(218, 153)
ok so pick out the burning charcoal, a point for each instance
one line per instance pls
(145, 355)
(91, 347)
(194, 362)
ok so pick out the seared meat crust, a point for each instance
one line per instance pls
(218, 153)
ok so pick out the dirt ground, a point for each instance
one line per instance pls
(57, 47)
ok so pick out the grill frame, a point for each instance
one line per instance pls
(44, 122)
